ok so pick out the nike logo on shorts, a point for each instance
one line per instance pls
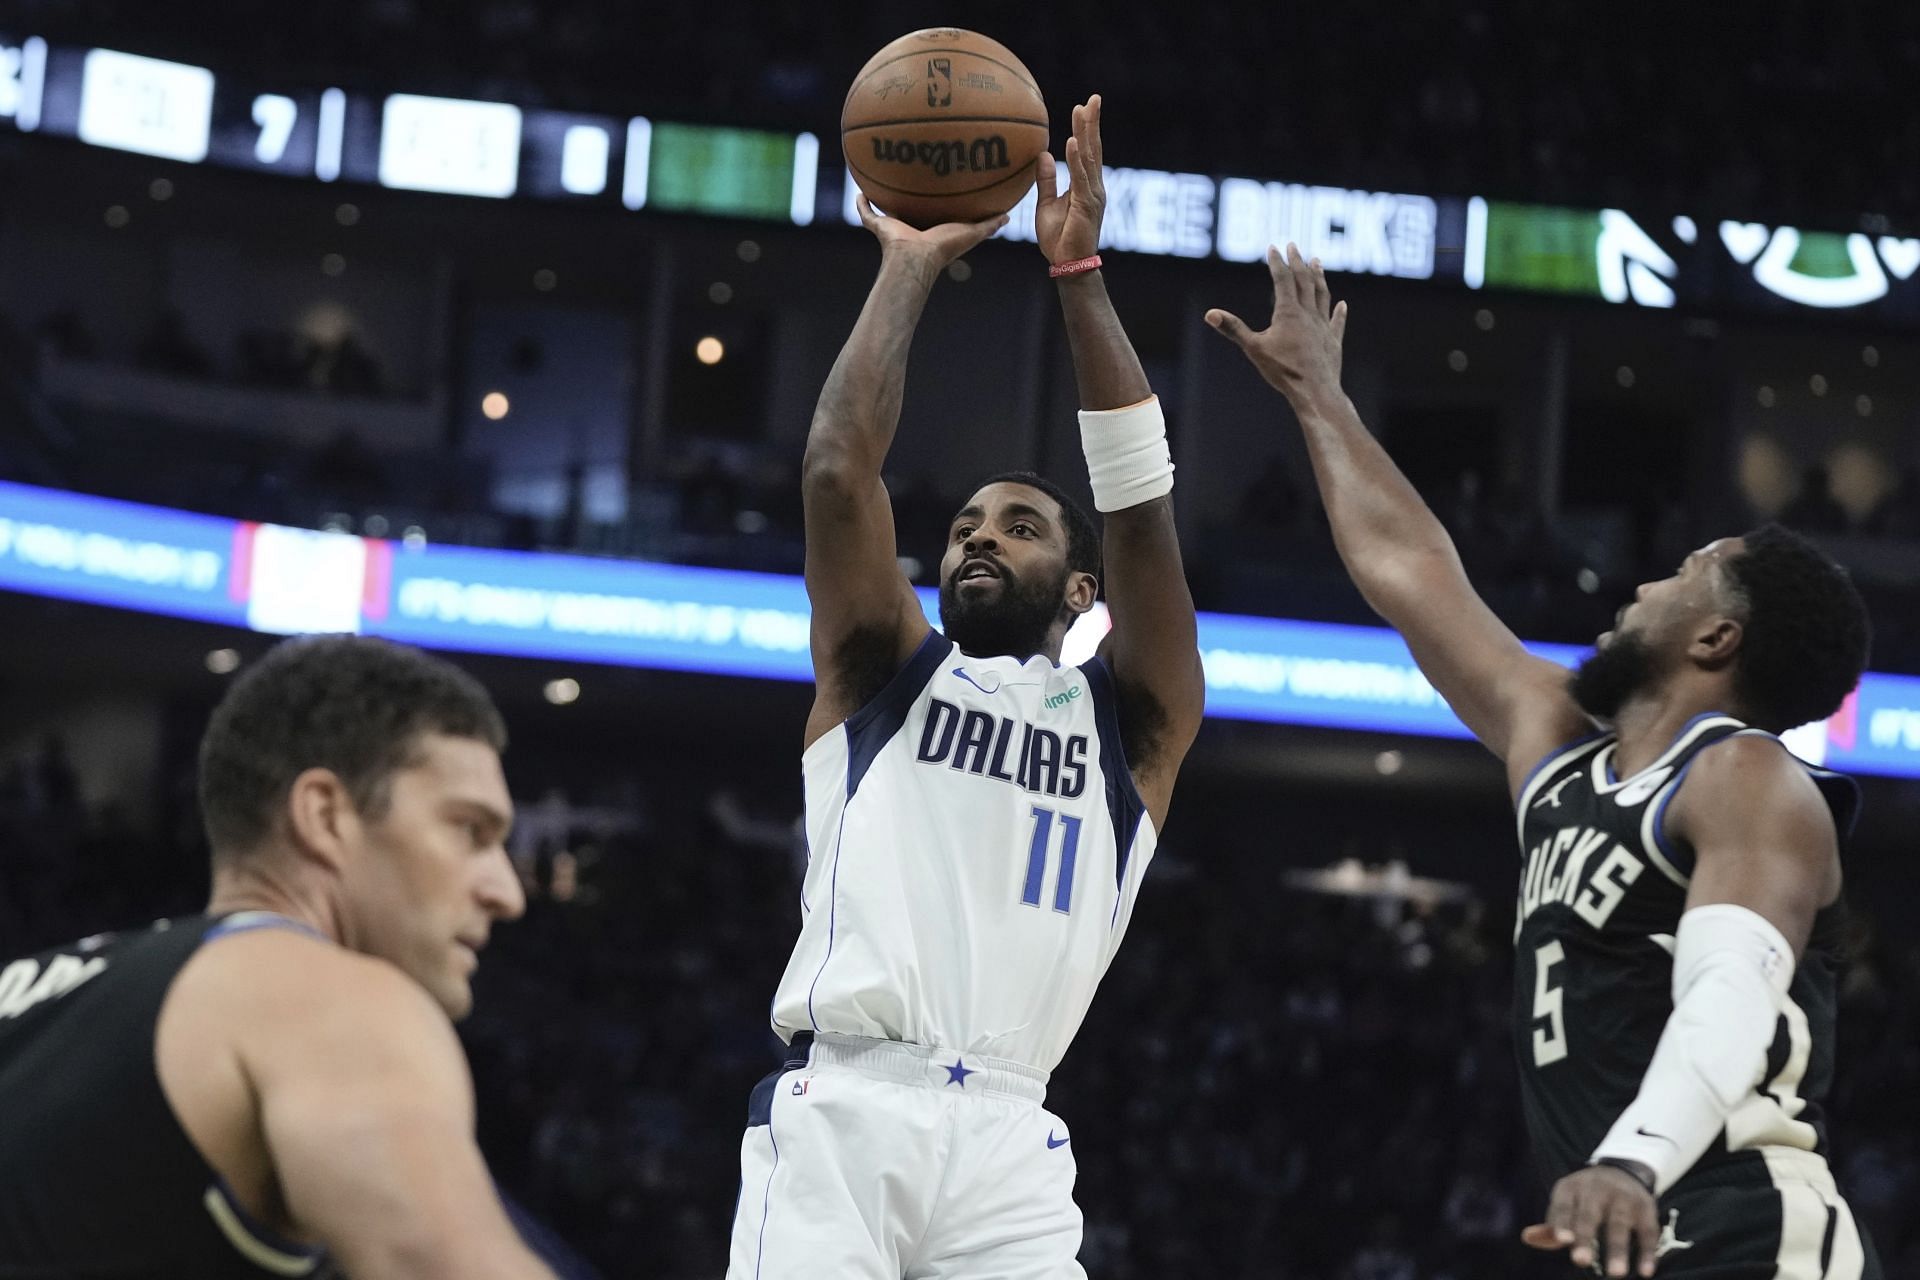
(1054, 1144)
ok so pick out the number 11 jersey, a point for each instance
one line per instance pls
(975, 844)
(1602, 889)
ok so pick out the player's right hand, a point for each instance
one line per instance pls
(1605, 1217)
(1299, 351)
(939, 245)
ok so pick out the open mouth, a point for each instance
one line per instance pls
(974, 570)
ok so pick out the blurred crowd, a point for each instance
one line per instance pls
(1551, 101)
(1271, 1084)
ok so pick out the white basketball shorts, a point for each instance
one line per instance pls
(871, 1160)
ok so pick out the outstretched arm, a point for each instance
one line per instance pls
(1153, 648)
(866, 619)
(1394, 548)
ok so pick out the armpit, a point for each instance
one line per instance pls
(863, 664)
(1143, 726)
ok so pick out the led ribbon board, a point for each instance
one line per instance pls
(677, 617)
(495, 149)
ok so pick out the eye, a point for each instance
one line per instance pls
(1024, 529)
(962, 531)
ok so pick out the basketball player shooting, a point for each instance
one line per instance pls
(1680, 904)
(978, 816)
(274, 1088)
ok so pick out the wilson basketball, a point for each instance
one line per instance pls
(943, 125)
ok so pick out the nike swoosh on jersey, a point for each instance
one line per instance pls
(1052, 1144)
(1643, 787)
(965, 675)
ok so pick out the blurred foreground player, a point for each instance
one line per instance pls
(274, 1087)
(978, 816)
(1680, 904)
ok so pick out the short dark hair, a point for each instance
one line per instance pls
(1083, 537)
(351, 704)
(1806, 631)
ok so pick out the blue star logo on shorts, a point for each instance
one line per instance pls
(959, 1071)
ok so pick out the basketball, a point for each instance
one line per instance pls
(943, 125)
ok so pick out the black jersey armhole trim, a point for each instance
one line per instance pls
(873, 726)
(265, 1235)
(1679, 860)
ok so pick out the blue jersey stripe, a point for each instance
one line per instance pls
(1124, 806)
(871, 727)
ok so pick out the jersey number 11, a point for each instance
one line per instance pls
(1037, 859)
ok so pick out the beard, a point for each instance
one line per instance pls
(1610, 676)
(1013, 621)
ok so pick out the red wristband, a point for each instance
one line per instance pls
(1075, 267)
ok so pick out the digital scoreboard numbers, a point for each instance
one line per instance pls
(450, 145)
(23, 77)
(146, 105)
(264, 129)
(568, 156)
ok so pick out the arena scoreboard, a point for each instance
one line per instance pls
(403, 141)
(499, 150)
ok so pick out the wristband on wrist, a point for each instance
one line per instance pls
(1128, 461)
(1633, 1169)
(1075, 267)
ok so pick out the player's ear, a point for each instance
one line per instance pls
(1717, 642)
(1082, 590)
(321, 818)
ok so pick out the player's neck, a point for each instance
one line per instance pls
(1649, 722)
(246, 887)
(1051, 653)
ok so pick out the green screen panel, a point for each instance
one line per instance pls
(731, 172)
(1822, 255)
(1543, 248)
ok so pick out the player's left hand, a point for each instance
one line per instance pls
(1605, 1216)
(1068, 227)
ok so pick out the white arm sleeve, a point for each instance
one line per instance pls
(1731, 970)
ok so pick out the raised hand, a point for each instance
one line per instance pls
(938, 245)
(1068, 227)
(1299, 350)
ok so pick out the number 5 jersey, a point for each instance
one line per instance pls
(1602, 889)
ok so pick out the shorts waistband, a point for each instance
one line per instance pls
(927, 1066)
(1777, 1163)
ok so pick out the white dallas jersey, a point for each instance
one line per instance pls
(975, 845)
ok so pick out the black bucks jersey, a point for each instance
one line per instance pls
(1602, 888)
(97, 1178)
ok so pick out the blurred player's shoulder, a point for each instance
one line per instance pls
(267, 981)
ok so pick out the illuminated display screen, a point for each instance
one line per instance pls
(448, 145)
(496, 149)
(681, 618)
(741, 172)
(1540, 248)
